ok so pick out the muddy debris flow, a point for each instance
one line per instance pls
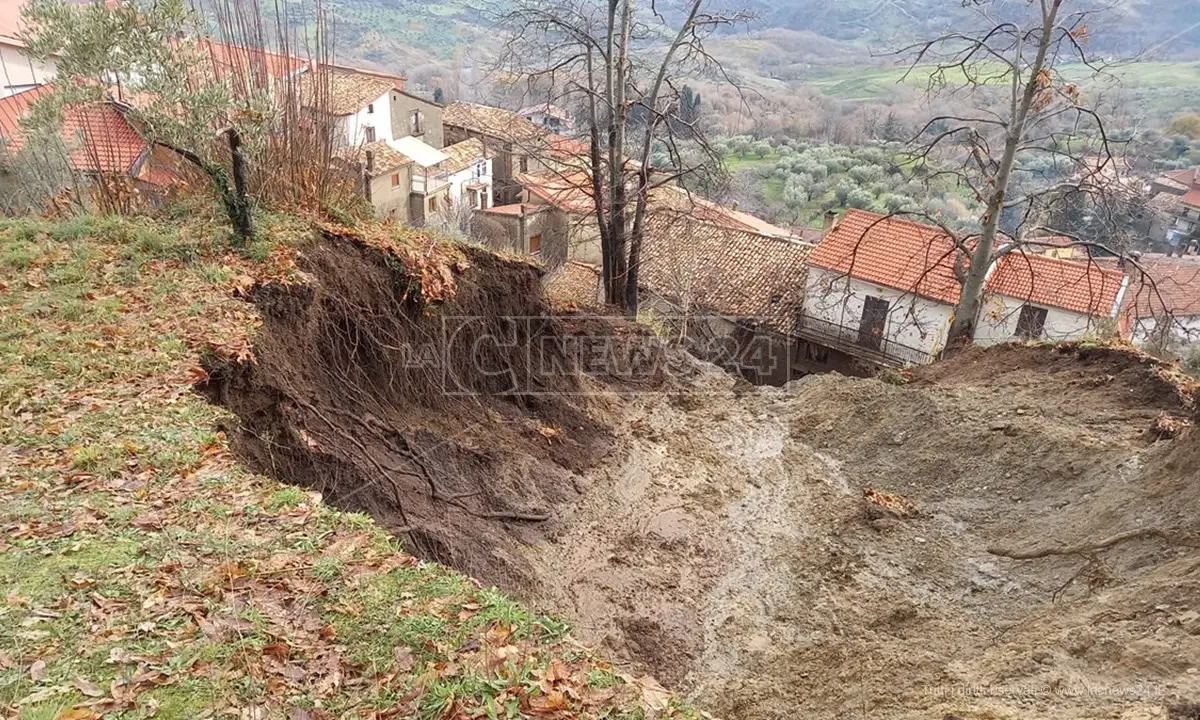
(1028, 547)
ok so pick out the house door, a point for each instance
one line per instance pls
(874, 318)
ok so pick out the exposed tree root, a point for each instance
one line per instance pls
(1173, 537)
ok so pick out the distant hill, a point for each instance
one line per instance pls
(1166, 28)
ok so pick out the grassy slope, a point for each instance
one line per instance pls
(145, 571)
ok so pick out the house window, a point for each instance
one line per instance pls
(416, 122)
(369, 133)
(370, 108)
(535, 244)
(524, 164)
(1031, 323)
(433, 204)
(395, 179)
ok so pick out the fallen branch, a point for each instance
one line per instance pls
(1175, 537)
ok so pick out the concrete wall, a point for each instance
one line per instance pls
(392, 201)
(18, 72)
(998, 322)
(913, 321)
(402, 107)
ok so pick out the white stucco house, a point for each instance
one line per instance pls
(371, 107)
(18, 72)
(468, 169)
(550, 116)
(882, 289)
(1161, 309)
(1033, 297)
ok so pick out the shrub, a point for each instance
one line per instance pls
(859, 198)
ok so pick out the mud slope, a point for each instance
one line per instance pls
(717, 535)
(397, 380)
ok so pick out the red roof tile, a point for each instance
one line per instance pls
(892, 252)
(514, 209)
(1172, 287)
(1081, 287)
(569, 192)
(1189, 176)
(574, 283)
(98, 136)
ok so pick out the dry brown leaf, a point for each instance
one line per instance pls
(87, 687)
(37, 671)
(549, 703)
(402, 657)
(79, 713)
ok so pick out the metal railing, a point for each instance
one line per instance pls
(851, 341)
(429, 184)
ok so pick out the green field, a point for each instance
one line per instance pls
(1152, 87)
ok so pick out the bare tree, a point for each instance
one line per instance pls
(620, 60)
(1019, 50)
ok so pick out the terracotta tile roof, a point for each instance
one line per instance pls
(514, 209)
(569, 192)
(572, 192)
(564, 148)
(893, 252)
(1192, 198)
(1080, 287)
(1165, 202)
(349, 90)
(1189, 177)
(98, 136)
(225, 57)
(698, 265)
(735, 219)
(386, 157)
(1172, 288)
(573, 283)
(547, 109)
(463, 155)
(492, 121)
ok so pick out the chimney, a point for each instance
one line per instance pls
(830, 220)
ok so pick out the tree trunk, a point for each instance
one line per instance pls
(233, 197)
(643, 175)
(618, 190)
(239, 209)
(966, 313)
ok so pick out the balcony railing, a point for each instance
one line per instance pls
(429, 184)
(849, 340)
